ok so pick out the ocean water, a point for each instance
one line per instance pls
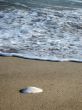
(41, 29)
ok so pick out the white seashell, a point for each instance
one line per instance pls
(31, 90)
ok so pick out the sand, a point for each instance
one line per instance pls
(61, 83)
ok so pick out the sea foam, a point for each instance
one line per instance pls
(41, 33)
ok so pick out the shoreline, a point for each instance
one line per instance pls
(61, 83)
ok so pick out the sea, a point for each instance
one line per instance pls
(41, 29)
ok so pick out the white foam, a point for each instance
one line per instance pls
(41, 33)
(77, 1)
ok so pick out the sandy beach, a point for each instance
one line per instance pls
(61, 83)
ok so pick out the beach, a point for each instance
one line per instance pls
(41, 46)
(61, 83)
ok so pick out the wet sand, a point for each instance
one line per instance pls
(61, 83)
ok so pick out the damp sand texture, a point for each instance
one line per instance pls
(61, 82)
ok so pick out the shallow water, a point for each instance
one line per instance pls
(52, 3)
(47, 33)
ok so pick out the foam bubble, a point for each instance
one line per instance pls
(41, 33)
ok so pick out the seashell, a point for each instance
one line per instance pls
(29, 90)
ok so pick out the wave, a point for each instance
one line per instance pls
(46, 3)
(42, 33)
(52, 59)
(76, 1)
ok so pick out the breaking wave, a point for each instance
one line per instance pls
(41, 33)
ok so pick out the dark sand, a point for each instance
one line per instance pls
(61, 82)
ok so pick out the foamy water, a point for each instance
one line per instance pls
(41, 33)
